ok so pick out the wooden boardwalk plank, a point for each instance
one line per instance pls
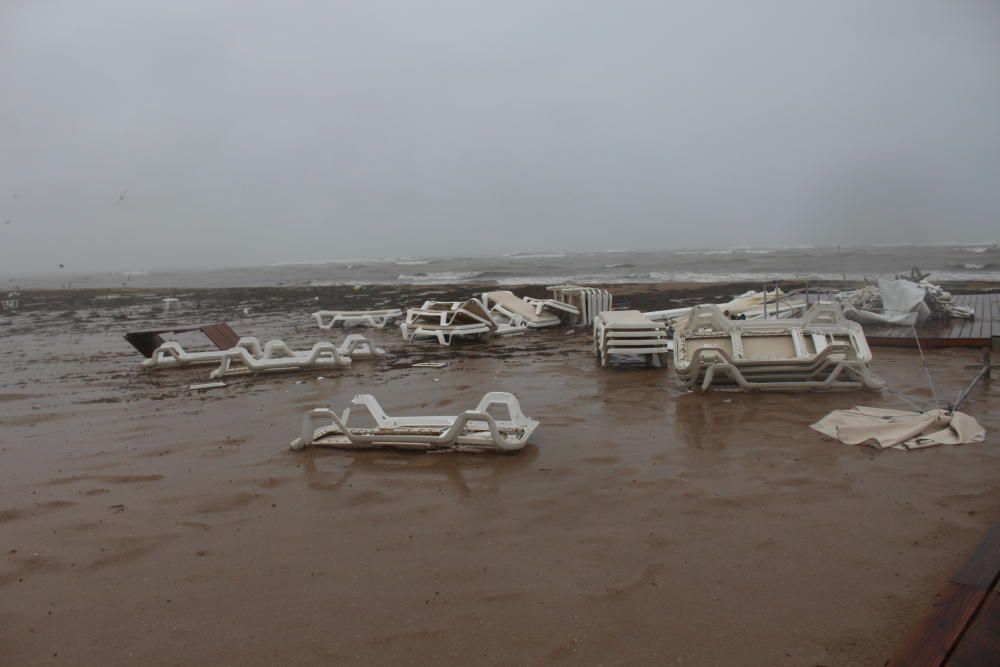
(946, 333)
(958, 615)
(980, 645)
(934, 638)
(983, 567)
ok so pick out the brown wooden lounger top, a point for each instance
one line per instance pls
(220, 333)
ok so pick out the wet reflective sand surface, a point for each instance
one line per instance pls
(144, 523)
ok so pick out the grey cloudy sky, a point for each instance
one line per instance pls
(252, 132)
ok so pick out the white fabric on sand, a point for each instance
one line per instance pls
(901, 429)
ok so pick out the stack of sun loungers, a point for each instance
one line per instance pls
(355, 318)
(819, 350)
(473, 430)
(588, 301)
(629, 332)
(445, 320)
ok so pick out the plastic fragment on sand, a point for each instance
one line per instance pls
(430, 364)
(207, 385)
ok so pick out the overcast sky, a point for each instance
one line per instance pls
(253, 133)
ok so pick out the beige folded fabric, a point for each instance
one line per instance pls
(901, 429)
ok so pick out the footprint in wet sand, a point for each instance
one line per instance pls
(128, 549)
(35, 510)
(106, 479)
(230, 503)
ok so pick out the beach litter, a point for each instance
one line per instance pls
(471, 431)
(430, 364)
(900, 429)
(206, 385)
(901, 302)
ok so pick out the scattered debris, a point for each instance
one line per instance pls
(207, 385)
(902, 302)
(900, 429)
(430, 364)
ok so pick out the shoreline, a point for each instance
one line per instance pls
(642, 296)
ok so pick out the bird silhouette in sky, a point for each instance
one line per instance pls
(61, 266)
(121, 197)
(7, 222)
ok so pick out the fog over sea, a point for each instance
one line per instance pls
(965, 262)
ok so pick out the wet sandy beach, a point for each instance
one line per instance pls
(143, 523)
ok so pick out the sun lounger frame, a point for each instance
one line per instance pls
(472, 431)
(376, 319)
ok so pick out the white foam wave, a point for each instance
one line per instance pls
(439, 277)
(704, 252)
(535, 255)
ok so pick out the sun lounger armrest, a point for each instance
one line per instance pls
(506, 399)
(312, 419)
(368, 402)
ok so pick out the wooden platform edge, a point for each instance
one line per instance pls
(956, 610)
(928, 343)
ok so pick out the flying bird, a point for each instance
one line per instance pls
(121, 197)
(7, 222)
(61, 266)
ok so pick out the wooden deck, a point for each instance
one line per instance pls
(977, 332)
(962, 629)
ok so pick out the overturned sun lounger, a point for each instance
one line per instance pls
(473, 430)
(820, 350)
(172, 354)
(277, 356)
(355, 318)
(444, 320)
(507, 308)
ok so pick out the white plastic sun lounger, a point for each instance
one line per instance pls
(277, 356)
(171, 354)
(351, 318)
(239, 360)
(473, 430)
(444, 320)
(505, 307)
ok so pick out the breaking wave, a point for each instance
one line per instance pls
(440, 277)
